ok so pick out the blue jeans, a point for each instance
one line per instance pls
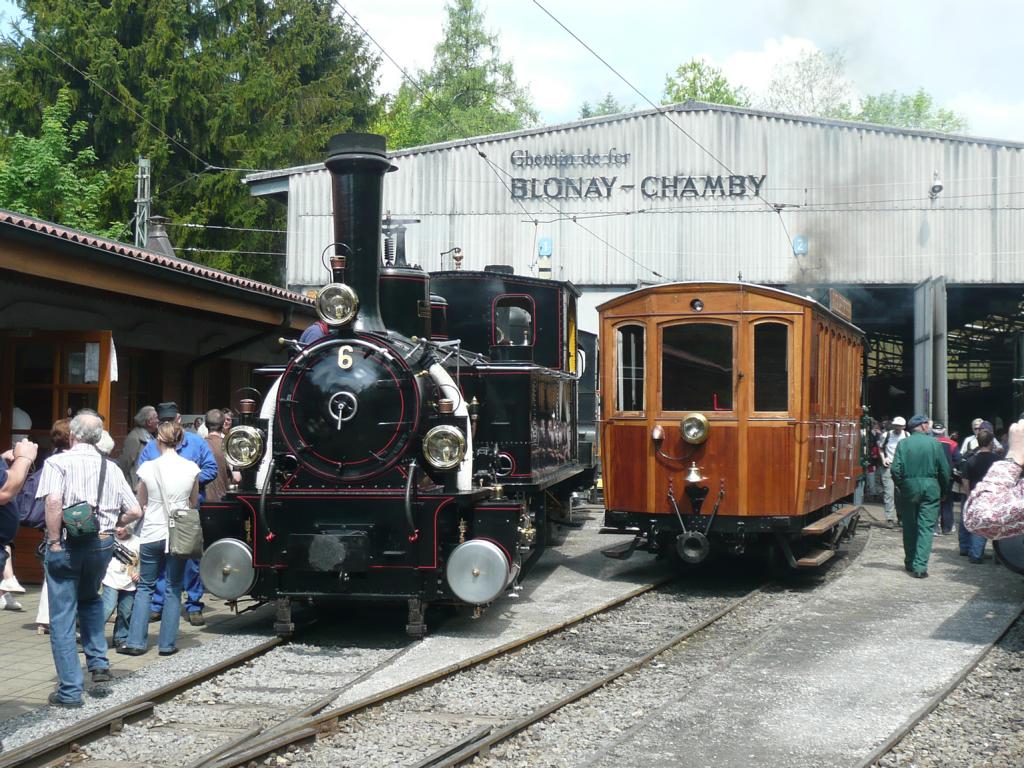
(971, 543)
(122, 600)
(151, 559)
(194, 589)
(73, 578)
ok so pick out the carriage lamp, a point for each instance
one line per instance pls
(243, 447)
(337, 304)
(444, 447)
(697, 305)
(694, 427)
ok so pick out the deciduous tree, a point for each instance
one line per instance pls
(697, 80)
(609, 105)
(47, 177)
(813, 84)
(910, 110)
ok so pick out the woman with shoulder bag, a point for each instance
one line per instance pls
(168, 485)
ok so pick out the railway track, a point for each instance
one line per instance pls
(299, 724)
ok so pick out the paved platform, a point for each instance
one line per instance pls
(29, 677)
(828, 687)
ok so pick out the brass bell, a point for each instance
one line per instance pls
(694, 475)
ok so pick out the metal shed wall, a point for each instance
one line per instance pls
(857, 193)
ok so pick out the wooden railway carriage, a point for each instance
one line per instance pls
(730, 414)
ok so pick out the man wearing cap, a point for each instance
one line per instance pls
(195, 449)
(971, 443)
(921, 473)
(887, 449)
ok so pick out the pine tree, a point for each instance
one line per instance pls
(468, 91)
(197, 86)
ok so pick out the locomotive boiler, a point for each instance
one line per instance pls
(424, 449)
(730, 420)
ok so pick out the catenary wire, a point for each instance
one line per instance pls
(494, 167)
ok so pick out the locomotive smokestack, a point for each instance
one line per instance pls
(358, 162)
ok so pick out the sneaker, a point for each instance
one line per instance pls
(170, 652)
(8, 603)
(195, 618)
(102, 675)
(127, 650)
(56, 701)
(919, 574)
(11, 585)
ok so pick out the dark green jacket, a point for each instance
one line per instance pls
(920, 469)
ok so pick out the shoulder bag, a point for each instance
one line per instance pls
(184, 530)
(81, 519)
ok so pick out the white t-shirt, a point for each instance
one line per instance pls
(177, 477)
(119, 576)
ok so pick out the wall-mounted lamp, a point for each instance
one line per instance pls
(936, 186)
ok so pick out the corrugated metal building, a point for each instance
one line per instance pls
(711, 192)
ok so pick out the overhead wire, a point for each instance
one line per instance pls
(657, 107)
(496, 169)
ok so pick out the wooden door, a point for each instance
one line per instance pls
(48, 376)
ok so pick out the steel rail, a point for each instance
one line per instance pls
(47, 748)
(275, 737)
(490, 739)
(932, 704)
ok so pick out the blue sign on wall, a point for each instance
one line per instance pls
(799, 245)
(545, 247)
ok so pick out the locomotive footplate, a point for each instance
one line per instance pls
(347, 552)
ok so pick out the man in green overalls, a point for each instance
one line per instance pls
(921, 473)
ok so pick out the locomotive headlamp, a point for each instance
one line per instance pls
(444, 447)
(695, 428)
(337, 304)
(243, 447)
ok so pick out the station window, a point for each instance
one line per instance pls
(696, 367)
(771, 367)
(629, 375)
(513, 321)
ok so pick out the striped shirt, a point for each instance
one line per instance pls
(74, 475)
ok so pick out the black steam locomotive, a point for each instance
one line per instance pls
(424, 449)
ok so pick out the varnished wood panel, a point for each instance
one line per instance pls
(718, 459)
(625, 456)
(771, 465)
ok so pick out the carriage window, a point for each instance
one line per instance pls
(513, 321)
(771, 367)
(630, 373)
(696, 367)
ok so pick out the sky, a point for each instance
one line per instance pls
(967, 56)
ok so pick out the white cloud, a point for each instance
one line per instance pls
(753, 69)
(988, 117)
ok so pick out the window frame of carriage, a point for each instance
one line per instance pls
(790, 327)
(617, 329)
(734, 325)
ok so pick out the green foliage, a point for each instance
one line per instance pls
(696, 80)
(252, 84)
(609, 105)
(910, 110)
(47, 178)
(468, 91)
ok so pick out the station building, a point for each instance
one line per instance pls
(923, 232)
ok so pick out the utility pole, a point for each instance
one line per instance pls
(142, 203)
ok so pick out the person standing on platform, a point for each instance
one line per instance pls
(946, 508)
(972, 545)
(146, 423)
(921, 473)
(75, 565)
(15, 467)
(217, 487)
(195, 449)
(887, 448)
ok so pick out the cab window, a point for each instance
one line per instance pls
(629, 373)
(513, 321)
(771, 367)
(697, 367)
